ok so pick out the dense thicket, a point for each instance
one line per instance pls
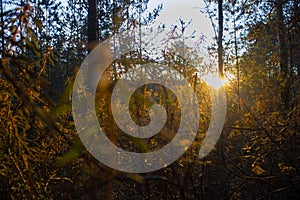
(43, 44)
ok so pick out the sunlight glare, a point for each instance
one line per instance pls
(214, 80)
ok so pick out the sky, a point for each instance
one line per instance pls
(190, 9)
(186, 10)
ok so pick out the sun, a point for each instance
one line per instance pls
(214, 80)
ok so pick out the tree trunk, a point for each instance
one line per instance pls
(92, 34)
(2, 28)
(92, 25)
(296, 38)
(220, 38)
(283, 55)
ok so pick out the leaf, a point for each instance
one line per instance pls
(257, 169)
(75, 152)
(284, 168)
(61, 110)
(136, 177)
